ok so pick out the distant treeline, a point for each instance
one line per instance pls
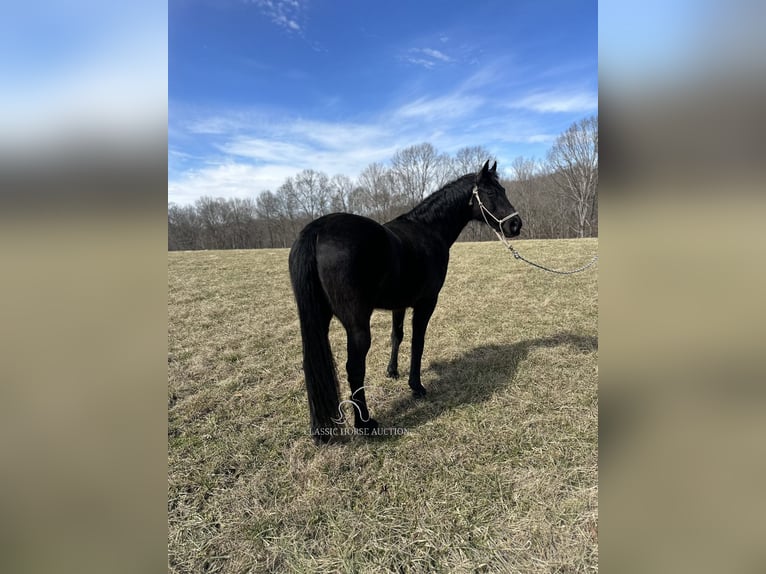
(556, 198)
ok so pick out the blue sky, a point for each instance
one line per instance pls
(259, 90)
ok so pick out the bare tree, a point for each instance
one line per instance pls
(341, 187)
(266, 207)
(375, 193)
(542, 206)
(311, 192)
(212, 222)
(526, 194)
(241, 212)
(555, 199)
(184, 227)
(524, 171)
(358, 201)
(419, 170)
(573, 160)
(556, 220)
(292, 213)
(470, 159)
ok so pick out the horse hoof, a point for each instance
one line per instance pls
(419, 392)
(366, 427)
(392, 374)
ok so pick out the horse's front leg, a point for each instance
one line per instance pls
(420, 316)
(397, 334)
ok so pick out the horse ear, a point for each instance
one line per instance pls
(484, 170)
(494, 167)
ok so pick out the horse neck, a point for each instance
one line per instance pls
(447, 211)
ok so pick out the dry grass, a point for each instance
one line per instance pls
(497, 471)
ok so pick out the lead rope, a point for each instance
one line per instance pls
(484, 212)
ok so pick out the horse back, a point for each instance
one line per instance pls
(376, 266)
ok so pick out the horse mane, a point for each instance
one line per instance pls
(440, 204)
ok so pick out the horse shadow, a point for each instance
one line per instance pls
(471, 378)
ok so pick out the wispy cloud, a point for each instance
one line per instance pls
(330, 147)
(286, 14)
(226, 179)
(427, 57)
(253, 155)
(428, 64)
(436, 54)
(540, 138)
(558, 101)
(449, 106)
(213, 125)
(242, 152)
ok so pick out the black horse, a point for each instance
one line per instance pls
(347, 265)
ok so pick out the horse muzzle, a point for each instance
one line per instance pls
(511, 225)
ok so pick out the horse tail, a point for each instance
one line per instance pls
(315, 313)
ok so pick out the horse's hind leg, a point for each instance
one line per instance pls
(358, 344)
(397, 334)
(420, 316)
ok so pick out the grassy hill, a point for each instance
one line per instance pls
(495, 471)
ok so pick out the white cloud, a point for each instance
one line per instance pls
(540, 138)
(240, 153)
(284, 13)
(558, 101)
(228, 179)
(427, 57)
(348, 157)
(436, 54)
(264, 150)
(450, 106)
(214, 125)
(428, 64)
(312, 143)
(338, 135)
(252, 158)
(245, 162)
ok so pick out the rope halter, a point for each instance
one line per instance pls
(485, 212)
(504, 241)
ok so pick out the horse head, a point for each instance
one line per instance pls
(490, 203)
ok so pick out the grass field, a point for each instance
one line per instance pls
(496, 469)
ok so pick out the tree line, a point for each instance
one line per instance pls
(556, 198)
